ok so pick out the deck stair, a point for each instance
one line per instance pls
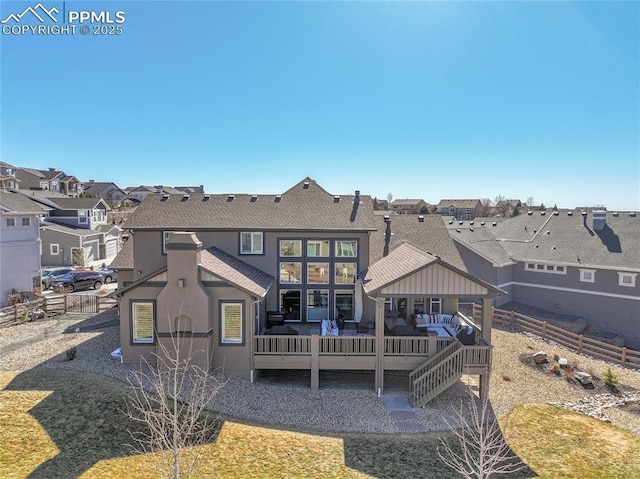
(436, 375)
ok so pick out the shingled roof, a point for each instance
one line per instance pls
(425, 232)
(16, 203)
(237, 272)
(305, 206)
(566, 238)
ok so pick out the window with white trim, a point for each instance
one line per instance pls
(291, 273)
(627, 279)
(54, 249)
(142, 318)
(11, 221)
(587, 275)
(231, 330)
(82, 216)
(26, 221)
(545, 268)
(251, 242)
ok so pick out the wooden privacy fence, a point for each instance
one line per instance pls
(54, 305)
(626, 357)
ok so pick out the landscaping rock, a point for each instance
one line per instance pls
(585, 379)
(540, 357)
(564, 363)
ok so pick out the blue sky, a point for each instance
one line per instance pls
(419, 99)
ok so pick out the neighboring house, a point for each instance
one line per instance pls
(75, 231)
(578, 263)
(68, 245)
(8, 176)
(505, 208)
(221, 271)
(408, 206)
(49, 180)
(192, 190)
(19, 244)
(110, 192)
(139, 193)
(460, 209)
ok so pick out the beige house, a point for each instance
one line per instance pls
(461, 209)
(301, 280)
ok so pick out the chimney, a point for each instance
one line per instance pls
(599, 220)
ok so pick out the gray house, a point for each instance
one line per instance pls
(109, 192)
(19, 244)
(48, 180)
(461, 209)
(75, 231)
(578, 263)
(301, 280)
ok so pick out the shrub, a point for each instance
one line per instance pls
(610, 378)
(71, 353)
(555, 369)
(556, 357)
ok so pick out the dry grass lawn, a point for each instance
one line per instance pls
(69, 424)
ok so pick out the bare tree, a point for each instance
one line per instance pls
(389, 197)
(485, 207)
(481, 451)
(169, 402)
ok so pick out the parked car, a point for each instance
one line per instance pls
(47, 274)
(108, 274)
(76, 280)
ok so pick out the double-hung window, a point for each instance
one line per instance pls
(251, 242)
(11, 221)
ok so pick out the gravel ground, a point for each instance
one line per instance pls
(345, 403)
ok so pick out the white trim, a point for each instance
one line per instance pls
(53, 246)
(621, 276)
(587, 275)
(570, 290)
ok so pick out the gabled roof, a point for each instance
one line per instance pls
(97, 187)
(458, 203)
(67, 203)
(566, 238)
(124, 258)
(407, 260)
(401, 262)
(236, 272)
(305, 206)
(216, 262)
(68, 229)
(425, 232)
(407, 202)
(11, 202)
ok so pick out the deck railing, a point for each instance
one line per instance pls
(438, 377)
(349, 345)
(579, 343)
(344, 345)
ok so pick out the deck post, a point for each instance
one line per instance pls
(379, 346)
(487, 319)
(484, 386)
(315, 362)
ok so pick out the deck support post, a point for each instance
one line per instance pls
(379, 346)
(315, 362)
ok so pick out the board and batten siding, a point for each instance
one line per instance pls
(435, 280)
